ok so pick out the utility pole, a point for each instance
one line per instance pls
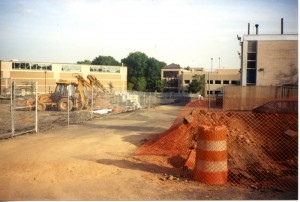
(211, 59)
(45, 80)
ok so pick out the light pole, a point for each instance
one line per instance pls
(45, 80)
(211, 59)
(219, 62)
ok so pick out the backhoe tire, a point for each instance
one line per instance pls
(41, 106)
(63, 104)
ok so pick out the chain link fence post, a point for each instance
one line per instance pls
(92, 104)
(68, 113)
(12, 107)
(36, 108)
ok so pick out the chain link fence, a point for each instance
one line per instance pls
(260, 148)
(18, 113)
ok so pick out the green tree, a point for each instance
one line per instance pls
(153, 74)
(141, 84)
(105, 60)
(143, 72)
(197, 84)
(160, 85)
(88, 62)
(136, 64)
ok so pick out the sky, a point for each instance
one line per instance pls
(184, 32)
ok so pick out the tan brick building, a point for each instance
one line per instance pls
(47, 74)
(269, 60)
(178, 79)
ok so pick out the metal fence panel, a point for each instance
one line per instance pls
(18, 99)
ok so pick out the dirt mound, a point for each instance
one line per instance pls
(175, 141)
(259, 151)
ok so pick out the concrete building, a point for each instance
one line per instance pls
(178, 79)
(186, 77)
(216, 80)
(46, 74)
(269, 60)
(170, 75)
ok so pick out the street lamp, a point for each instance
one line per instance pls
(211, 59)
(45, 80)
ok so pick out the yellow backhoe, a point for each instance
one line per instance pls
(70, 95)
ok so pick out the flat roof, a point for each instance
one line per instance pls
(271, 37)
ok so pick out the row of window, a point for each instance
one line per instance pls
(170, 74)
(251, 62)
(211, 92)
(64, 67)
(233, 82)
(110, 69)
(31, 66)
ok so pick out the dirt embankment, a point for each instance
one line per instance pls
(260, 154)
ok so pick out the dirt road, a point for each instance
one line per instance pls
(96, 161)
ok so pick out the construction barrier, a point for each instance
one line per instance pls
(211, 155)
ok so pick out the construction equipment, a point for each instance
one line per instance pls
(70, 95)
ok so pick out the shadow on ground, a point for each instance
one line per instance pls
(142, 166)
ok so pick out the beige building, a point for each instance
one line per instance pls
(216, 80)
(47, 74)
(269, 60)
(170, 75)
(178, 79)
(186, 77)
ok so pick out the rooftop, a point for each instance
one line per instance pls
(172, 66)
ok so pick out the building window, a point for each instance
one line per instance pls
(233, 82)
(225, 82)
(251, 76)
(251, 63)
(71, 68)
(108, 69)
(251, 56)
(170, 74)
(252, 46)
(209, 92)
(217, 81)
(186, 81)
(31, 66)
(217, 92)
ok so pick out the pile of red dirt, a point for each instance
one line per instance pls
(258, 148)
(180, 138)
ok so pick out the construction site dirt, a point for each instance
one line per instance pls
(98, 160)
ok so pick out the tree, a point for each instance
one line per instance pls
(143, 72)
(87, 62)
(197, 84)
(105, 60)
(136, 64)
(160, 85)
(153, 74)
(141, 84)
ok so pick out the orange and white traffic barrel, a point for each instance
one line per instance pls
(211, 155)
